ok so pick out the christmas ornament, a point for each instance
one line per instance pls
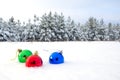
(34, 60)
(56, 58)
(23, 55)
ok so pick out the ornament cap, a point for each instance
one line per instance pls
(19, 50)
(61, 52)
(36, 53)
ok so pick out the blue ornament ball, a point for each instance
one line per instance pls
(56, 58)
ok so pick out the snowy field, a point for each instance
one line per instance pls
(83, 61)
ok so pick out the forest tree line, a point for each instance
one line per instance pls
(54, 27)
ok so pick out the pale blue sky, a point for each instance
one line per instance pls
(79, 10)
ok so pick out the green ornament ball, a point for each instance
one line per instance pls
(23, 55)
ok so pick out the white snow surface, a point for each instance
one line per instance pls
(83, 61)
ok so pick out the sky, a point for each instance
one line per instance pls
(78, 10)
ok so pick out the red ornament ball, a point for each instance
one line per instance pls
(34, 61)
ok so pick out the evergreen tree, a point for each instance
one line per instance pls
(111, 33)
(101, 33)
(53, 28)
(92, 24)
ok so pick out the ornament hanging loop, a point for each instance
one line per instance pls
(60, 51)
(17, 52)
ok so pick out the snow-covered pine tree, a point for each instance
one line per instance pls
(92, 24)
(31, 30)
(72, 30)
(46, 24)
(101, 32)
(82, 32)
(53, 28)
(111, 32)
(61, 30)
(9, 30)
(117, 31)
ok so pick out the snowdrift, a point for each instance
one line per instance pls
(83, 61)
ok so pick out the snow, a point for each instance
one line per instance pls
(83, 61)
